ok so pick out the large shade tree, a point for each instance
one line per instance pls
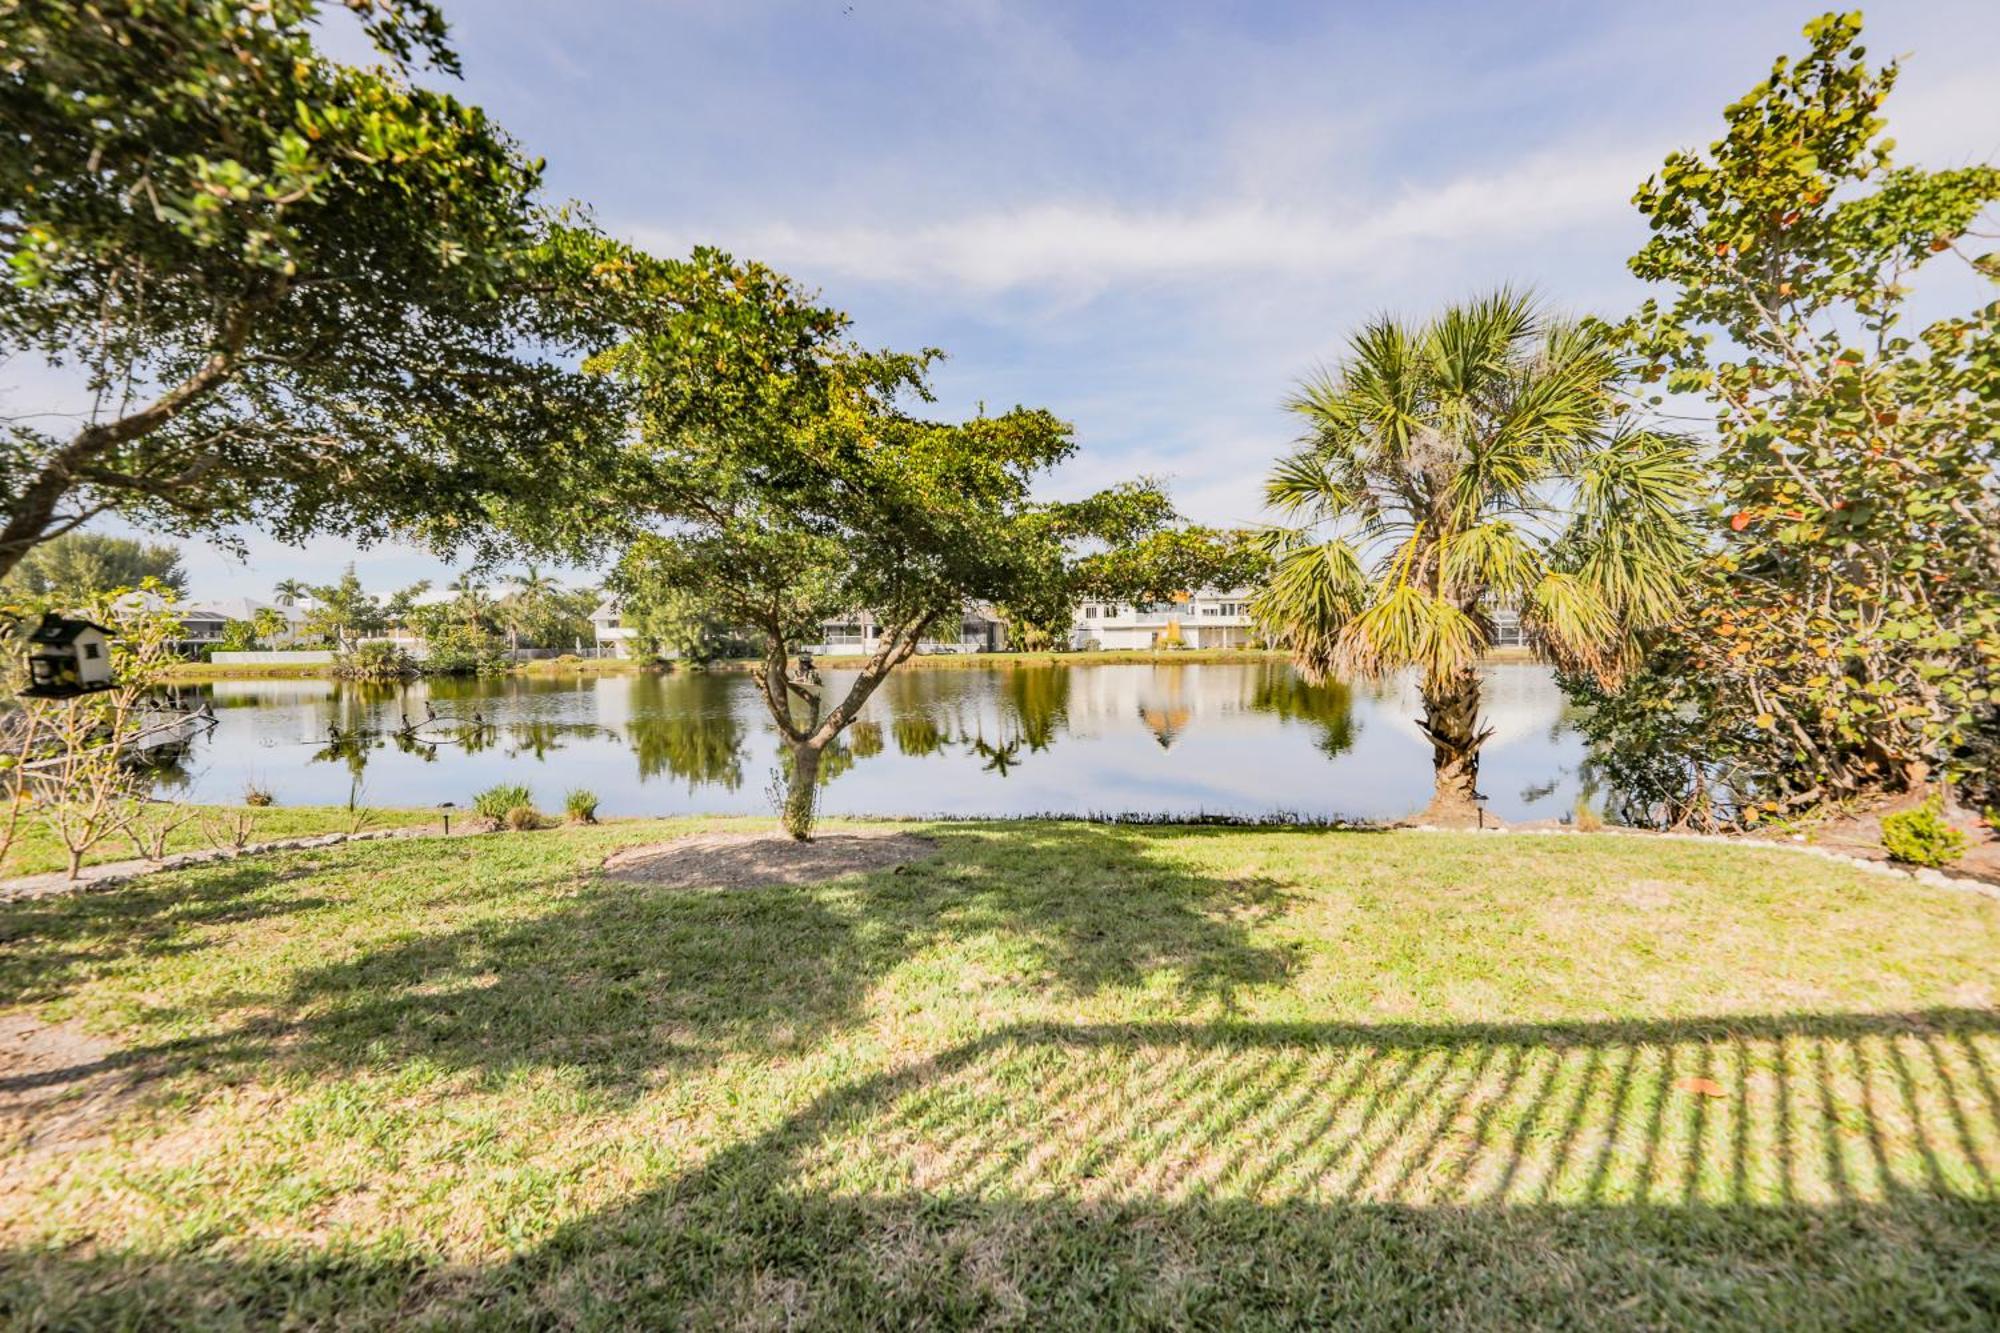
(81, 565)
(301, 293)
(1457, 467)
(779, 476)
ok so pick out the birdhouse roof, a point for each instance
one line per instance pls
(58, 631)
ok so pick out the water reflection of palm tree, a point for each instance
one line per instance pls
(1000, 759)
(538, 738)
(476, 736)
(1328, 707)
(1039, 700)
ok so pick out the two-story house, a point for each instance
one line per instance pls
(1209, 618)
(614, 638)
(978, 630)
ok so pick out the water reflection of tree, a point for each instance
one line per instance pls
(1328, 708)
(919, 735)
(540, 738)
(686, 725)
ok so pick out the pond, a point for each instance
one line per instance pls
(1170, 739)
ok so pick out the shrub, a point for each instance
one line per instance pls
(1921, 837)
(523, 817)
(257, 796)
(458, 650)
(375, 661)
(581, 806)
(495, 802)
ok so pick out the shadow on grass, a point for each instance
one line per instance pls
(48, 945)
(1829, 1171)
(627, 983)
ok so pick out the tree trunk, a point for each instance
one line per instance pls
(802, 791)
(1451, 721)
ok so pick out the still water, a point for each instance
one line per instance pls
(1171, 739)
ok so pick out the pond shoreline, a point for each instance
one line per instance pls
(192, 673)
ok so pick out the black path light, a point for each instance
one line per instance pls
(447, 807)
(68, 658)
(1479, 807)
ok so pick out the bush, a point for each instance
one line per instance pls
(495, 802)
(523, 817)
(581, 806)
(375, 661)
(1921, 837)
(457, 650)
(257, 796)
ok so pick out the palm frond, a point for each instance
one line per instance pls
(1492, 559)
(1315, 588)
(1306, 485)
(1566, 619)
(1407, 627)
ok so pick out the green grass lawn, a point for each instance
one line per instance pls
(1054, 1076)
(35, 850)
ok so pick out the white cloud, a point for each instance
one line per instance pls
(1085, 247)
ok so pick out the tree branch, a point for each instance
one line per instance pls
(32, 512)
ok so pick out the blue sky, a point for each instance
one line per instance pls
(1152, 218)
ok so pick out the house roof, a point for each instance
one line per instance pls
(239, 608)
(57, 631)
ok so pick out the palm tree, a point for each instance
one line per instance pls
(288, 591)
(1451, 470)
(472, 600)
(523, 607)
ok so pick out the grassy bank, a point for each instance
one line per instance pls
(36, 850)
(194, 673)
(1054, 1075)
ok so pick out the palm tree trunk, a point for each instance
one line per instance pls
(1451, 721)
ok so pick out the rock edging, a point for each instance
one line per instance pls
(109, 874)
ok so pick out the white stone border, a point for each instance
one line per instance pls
(109, 874)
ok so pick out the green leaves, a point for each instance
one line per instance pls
(1848, 614)
(338, 280)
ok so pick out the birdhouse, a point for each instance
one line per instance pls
(67, 658)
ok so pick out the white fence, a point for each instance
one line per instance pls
(296, 657)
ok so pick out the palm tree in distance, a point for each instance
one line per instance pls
(288, 592)
(472, 600)
(524, 606)
(1449, 470)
